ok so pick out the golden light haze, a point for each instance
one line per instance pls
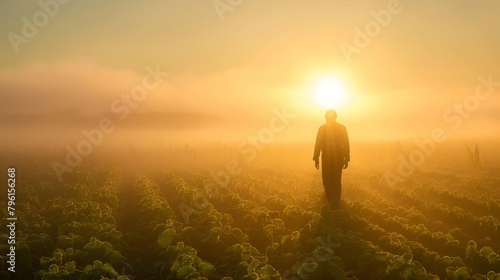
(262, 56)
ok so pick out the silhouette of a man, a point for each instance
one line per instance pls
(332, 143)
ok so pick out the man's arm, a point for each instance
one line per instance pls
(317, 147)
(347, 149)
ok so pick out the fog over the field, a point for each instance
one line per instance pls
(433, 66)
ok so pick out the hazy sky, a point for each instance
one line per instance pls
(256, 56)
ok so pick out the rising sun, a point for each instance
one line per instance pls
(329, 93)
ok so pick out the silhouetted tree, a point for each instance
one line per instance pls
(474, 157)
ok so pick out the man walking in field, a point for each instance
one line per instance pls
(332, 143)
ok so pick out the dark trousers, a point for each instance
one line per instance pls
(332, 175)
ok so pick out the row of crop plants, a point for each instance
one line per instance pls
(68, 231)
(445, 243)
(292, 254)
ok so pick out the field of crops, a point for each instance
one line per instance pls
(267, 223)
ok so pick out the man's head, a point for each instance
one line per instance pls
(331, 116)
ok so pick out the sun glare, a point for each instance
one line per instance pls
(330, 93)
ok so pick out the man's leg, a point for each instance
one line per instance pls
(337, 183)
(328, 180)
